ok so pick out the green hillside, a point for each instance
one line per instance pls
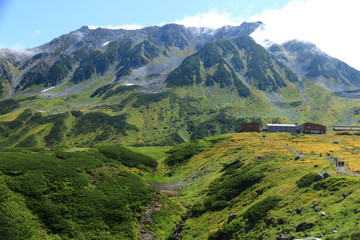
(83, 194)
(234, 186)
(246, 187)
(167, 85)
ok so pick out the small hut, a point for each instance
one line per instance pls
(291, 128)
(346, 128)
(251, 127)
(311, 128)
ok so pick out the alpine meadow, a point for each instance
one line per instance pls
(143, 134)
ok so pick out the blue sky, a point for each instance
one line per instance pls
(330, 24)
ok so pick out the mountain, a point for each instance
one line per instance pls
(119, 134)
(123, 54)
(166, 85)
(310, 62)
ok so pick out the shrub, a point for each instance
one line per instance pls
(226, 232)
(259, 210)
(306, 180)
(57, 133)
(219, 205)
(127, 157)
(184, 152)
(232, 183)
(198, 209)
(75, 195)
(7, 106)
(146, 99)
(335, 183)
(90, 122)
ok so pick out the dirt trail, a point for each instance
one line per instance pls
(339, 169)
(283, 144)
(170, 189)
(147, 219)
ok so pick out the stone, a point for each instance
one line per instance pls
(299, 210)
(304, 226)
(232, 217)
(260, 191)
(316, 208)
(321, 176)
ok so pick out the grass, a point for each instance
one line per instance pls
(282, 172)
(207, 180)
(156, 152)
(346, 148)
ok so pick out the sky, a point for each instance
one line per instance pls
(329, 24)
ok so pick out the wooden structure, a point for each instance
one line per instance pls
(291, 128)
(346, 128)
(311, 128)
(251, 127)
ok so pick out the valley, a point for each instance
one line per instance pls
(233, 186)
(136, 134)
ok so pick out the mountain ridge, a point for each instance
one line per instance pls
(174, 83)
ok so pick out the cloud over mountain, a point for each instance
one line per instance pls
(330, 24)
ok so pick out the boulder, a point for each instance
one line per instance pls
(321, 176)
(232, 217)
(316, 208)
(299, 210)
(260, 191)
(304, 226)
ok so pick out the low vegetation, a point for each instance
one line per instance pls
(237, 186)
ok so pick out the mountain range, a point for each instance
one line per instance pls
(119, 134)
(166, 85)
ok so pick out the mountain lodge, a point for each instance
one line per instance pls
(251, 127)
(311, 128)
(291, 128)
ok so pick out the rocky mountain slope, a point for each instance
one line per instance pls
(167, 84)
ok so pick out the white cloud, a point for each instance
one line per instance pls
(329, 24)
(36, 33)
(211, 19)
(15, 46)
(18, 46)
(125, 26)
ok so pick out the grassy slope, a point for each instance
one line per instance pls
(87, 194)
(199, 174)
(173, 117)
(282, 172)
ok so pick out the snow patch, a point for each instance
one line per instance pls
(105, 43)
(45, 90)
(202, 30)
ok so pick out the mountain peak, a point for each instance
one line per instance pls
(298, 46)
